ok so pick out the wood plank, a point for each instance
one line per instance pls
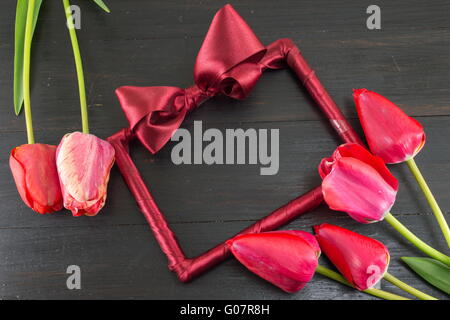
(124, 262)
(186, 193)
(155, 43)
(408, 67)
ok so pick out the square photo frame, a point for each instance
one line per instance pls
(279, 54)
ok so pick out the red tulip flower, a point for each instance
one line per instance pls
(390, 133)
(34, 170)
(363, 261)
(357, 182)
(287, 259)
(395, 137)
(84, 163)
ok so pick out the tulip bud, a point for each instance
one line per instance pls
(390, 133)
(287, 259)
(84, 163)
(356, 182)
(34, 170)
(363, 261)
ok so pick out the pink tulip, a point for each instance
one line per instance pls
(363, 261)
(34, 170)
(391, 134)
(287, 259)
(357, 182)
(84, 163)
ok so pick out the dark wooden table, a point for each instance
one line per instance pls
(155, 43)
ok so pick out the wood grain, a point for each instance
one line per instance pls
(155, 43)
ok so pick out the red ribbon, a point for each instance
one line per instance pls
(230, 62)
(227, 63)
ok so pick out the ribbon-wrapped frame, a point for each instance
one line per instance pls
(230, 62)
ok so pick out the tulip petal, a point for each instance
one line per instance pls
(84, 163)
(363, 261)
(287, 259)
(18, 172)
(390, 133)
(34, 171)
(308, 237)
(357, 151)
(357, 188)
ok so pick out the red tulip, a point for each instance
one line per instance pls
(84, 163)
(34, 170)
(391, 134)
(287, 259)
(363, 261)
(358, 183)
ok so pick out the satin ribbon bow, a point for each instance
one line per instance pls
(227, 63)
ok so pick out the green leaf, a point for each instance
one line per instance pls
(19, 38)
(102, 5)
(433, 271)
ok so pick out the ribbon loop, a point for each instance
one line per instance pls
(227, 63)
(228, 43)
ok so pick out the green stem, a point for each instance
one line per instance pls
(397, 225)
(26, 70)
(407, 288)
(79, 66)
(374, 292)
(430, 198)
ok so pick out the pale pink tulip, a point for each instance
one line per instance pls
(84, 163)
